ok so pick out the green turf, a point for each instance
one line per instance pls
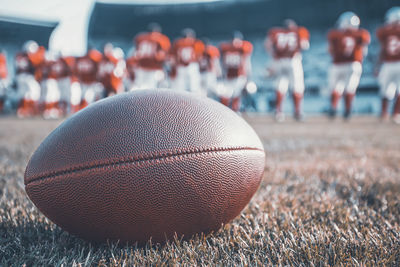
(330, 196)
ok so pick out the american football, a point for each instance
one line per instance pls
(150, 164)
(199, 133)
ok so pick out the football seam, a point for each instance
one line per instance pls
(137, 159)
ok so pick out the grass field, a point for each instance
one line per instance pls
(330, 196)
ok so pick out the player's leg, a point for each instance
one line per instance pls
(21, 90)
(129, 81)
(24, 104)
(387, 89)
(32, 95)
(178, 81)
(297, 100)
(212, 83)
(208, 83)
(348, 102)
(384, 116)
(51, 99)
(225, 101)
(76, 97)
(159, 78)
(281, 86)
(148, 79)
(85, 95)
(204, 82)
(336, 84)
(64, 85)
(236, 103)
(99, 91)
(3, 87)
(281, 89)
(297, 81)
(396, 107)
(194, 79)
(35, 91)
(239, 85)
(226, 91)
(129, 84)
(351, 88)
(140, 79)
(47, 95)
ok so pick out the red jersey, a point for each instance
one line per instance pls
(86, 67)
(347, 46)
(58, 69)
(211, 53)
(42, 72)
(286, 43)
(23, 64)
(151, 50)
(70, 60)
(389, 37)
(187, 50)
(3, 66)
(30, 62)
(111, 72)
(234, 58)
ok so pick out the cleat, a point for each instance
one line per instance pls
(347, 115)
(299, 117)
(279, 117)
(332, 114)
(396, 118)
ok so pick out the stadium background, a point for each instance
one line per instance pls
(119, 22)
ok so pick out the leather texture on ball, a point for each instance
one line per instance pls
(149, 163)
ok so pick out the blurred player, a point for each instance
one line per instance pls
(27, 63)
(130, 70)
(171, 69)
(285, 45)
(186, 53)
(61, 70)
(236, 67)
(348, 46)
(86, 68)
(48, 75)
(151, 52)
(389, 75)
(3, 79)
(210, 68)
(69, 85)
(112, 69)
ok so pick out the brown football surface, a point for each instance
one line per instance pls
(330, 196)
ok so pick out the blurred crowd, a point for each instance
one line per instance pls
(49, 84)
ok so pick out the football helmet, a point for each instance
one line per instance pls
(205, 40)
(118, 53)
(108, 49)
(51, 55)
(237, 35)
(188, 33)
(348, 20)
(30, 47)
(154, 27)
(237, 38)
(393, 15)
(290, 23)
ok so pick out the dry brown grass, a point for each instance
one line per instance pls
(330, 196)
